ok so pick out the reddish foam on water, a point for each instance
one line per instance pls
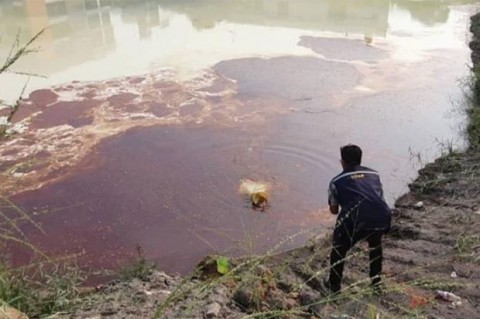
(161, 163)
(37, 101)
(43, 97)
(173, 191)
(150, 161)
(73, 113)
(69, 120)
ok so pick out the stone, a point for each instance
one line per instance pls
(136, 283)
(306, 297)
(213, 310)
(243, 297)
(219, 298)
(108, 309)
(262, 271)
(418, 205)
(285, 285)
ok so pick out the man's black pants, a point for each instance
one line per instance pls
(342, 242)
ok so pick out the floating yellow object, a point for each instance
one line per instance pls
(256, 191)
(259, 199)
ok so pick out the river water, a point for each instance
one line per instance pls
(149, 115)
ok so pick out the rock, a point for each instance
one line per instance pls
(147, 292)
(243, 297)
(306, 297)
(7, 312)
(404, 231)
(108, 309)
(83, 291)
(213, 310)
(447, 296)
(277, 301)
(418, 205)
(285, 285)
(475, 24)
(290, 303)
(474, 45)
(262, 271)
(218, 298)
(220, 290)
(160, 279)
(136, 284)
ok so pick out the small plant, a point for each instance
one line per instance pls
(16, 52)
(140, 268)
(468, 247)
(372, 312)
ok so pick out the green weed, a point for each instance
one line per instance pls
(140, 268)
(17, 52)
(42, 290)
(467, 247)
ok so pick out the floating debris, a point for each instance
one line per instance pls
(257, 192)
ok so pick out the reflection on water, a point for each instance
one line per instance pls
(127, 38)
(363, 17)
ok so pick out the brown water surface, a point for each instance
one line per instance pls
(146, 136)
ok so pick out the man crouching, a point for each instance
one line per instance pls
(364, 214)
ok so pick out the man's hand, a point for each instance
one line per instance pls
(334, 209)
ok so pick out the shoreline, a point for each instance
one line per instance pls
(432, 248)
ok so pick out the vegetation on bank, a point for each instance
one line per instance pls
(45, 286)
(473, 128)
(17, 52)
(42, 288)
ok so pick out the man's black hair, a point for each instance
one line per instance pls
(351, 154)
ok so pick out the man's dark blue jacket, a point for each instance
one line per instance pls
(359, 193)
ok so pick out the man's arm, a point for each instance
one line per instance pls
(332, 199)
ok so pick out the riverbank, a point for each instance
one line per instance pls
(430, 248)
(433, 245)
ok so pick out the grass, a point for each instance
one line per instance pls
(17, 52)
(467, 248)
(45, 289)
(473, 128)
(258, 277)
(140, 268)
(47, 286)
(472, 92)
(11, 219)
